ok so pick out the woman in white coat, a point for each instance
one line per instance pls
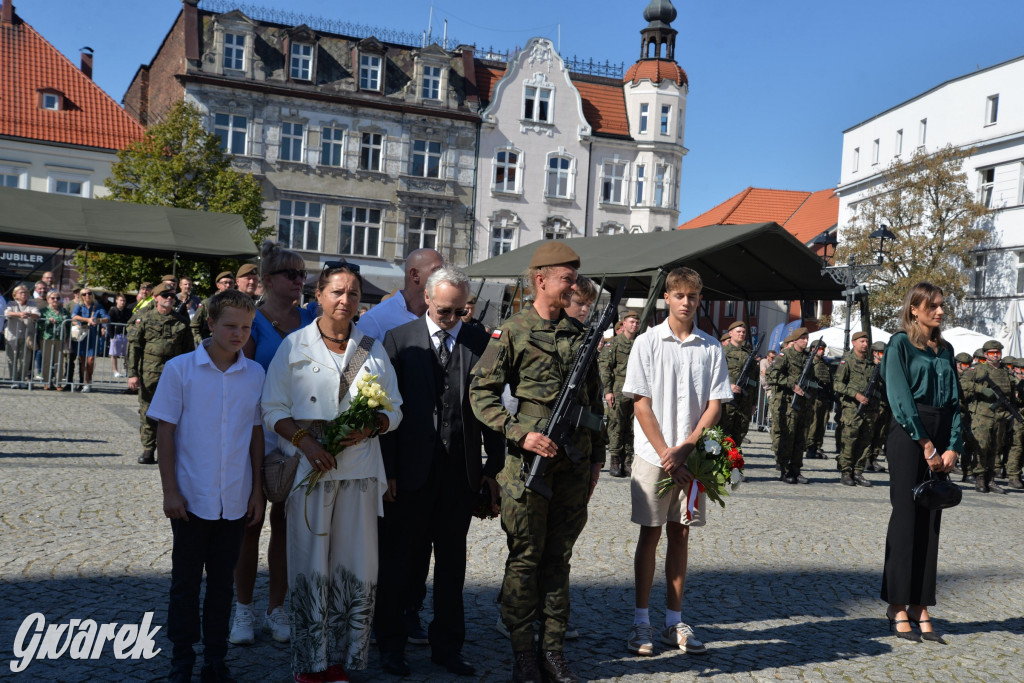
(332, 562)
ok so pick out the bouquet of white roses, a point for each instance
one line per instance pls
(716, 465)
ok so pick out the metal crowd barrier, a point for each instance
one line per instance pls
(34, 363)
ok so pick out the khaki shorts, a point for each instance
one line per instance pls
(649, 510)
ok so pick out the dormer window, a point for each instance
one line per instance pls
(431, 83)
(51, 100)
(301, 62)
(537, 104)
(234, 51)
(369, 72)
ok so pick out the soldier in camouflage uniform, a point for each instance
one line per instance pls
(988, 420)
(533, 352)
(736, 414)
(199, 325)
(156, 336)
(783, 376)
(620, 408)
(880, 432)
(965, 374)
(776, 411)
(852, 378)
(822, 402)
(1013, 463)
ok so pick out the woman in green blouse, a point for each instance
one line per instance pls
(50, 332)
(925, 433)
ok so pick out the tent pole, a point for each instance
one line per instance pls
(653, 292)
(174, 265)
(85, 275)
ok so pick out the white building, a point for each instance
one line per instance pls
(983, 110)
(566, 155)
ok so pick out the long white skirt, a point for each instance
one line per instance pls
(333, 577)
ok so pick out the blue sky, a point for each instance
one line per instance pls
(772, 84)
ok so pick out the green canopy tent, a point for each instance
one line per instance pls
(754, 262)
(54, 220)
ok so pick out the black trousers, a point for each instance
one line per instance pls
(198, 544)
(438, 513)
(912, 542)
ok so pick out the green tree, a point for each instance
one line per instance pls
(937, 221)
(178, 163)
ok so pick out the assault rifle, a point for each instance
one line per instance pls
(568, 415)
(1002, 400)
(805, 375)
(743, 380)
(872, 390)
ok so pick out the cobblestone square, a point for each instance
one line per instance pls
(782, 584)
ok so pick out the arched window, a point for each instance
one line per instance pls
(560, 173)
(507, 164)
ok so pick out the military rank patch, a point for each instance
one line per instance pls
(496, 334)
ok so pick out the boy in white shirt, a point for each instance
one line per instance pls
(678, 378)
(210, 443)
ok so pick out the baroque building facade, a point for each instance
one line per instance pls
(565, 154)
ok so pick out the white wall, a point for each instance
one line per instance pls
(40, 167)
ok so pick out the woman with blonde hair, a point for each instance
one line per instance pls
(925, 434)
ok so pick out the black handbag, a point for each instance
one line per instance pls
(937, 492)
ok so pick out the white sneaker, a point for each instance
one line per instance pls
(243, 625)
(86, 388)
(639, 641)
(681, 636)
(276, 624)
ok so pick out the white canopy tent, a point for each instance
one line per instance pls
(1010, 333)
(965, 340)
(833, 337)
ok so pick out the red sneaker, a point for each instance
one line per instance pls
(312, 677)
(335, 674)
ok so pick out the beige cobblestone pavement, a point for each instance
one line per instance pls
(783, 583)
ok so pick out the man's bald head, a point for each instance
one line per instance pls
(419, 265)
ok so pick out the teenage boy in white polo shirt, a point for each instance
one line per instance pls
(210, 443)
(678, 378)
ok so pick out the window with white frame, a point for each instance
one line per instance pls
(234, 51)
(369, 72)
(10, 176)
(51, 101)
(556, 229)
(426, 159)
(298, 224)
(666, 112)
(371, 147)
(422, 234)
(69, 185)
(899, 142)
(506, 171)
(502, 238)
(559, 177)
(1020, 273)
(361, 229)
(613, 185)
(660, 180)
(612, 228)
(987, 181)
(856, 159)
(922, 132)
(231, 128)
(332, 146)
(641, 173)
(537, 104)
(991, 109)
(644, 110)
(430, 89)
(876, 147)
(302, 61)
(291, 141)
(978, 281)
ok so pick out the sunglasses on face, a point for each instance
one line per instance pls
(85, 293)
(291, 273)
(445, 312)
(164, 295)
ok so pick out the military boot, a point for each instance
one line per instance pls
(847, 479)
(992, 486)
(627, 465)
(1016, 483)
(615, 469)
(556, 669)
(147, 457)
(525, 668)
(859, 479)
(979, 484)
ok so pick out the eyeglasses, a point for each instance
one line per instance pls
(164, 295)
(291, 273)
(85, 293)
(225, 281)
(331, 265)
(445, 312)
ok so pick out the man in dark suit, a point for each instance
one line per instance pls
(434, 471)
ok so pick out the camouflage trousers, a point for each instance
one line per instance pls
(1016, 452)
(816, 425)
(880, 431)
(778, 418)
(789, 456)
(620, 428)
(990, 434)
(735, 420)
(541, 534)
(857, 433)
(970, 454)
(147, 427)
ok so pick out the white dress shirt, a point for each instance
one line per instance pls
(214, 412)
(679, 377)
(435, 341)
(385, 316)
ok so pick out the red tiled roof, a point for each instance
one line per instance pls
(604, 105)
(89, 117)
(656, 70)
(805, 215)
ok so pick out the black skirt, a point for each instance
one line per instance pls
(912, 542)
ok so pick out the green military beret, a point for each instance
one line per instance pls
(992, 345)
(628, 313)
(859, 335)
(245, 269)
(878, 346)
(225, 274)
(738, 323)
(724, 337)
(963, 358)
(165, 286)
(554, 253)
(795, 334)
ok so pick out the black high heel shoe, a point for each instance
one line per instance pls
(912, 636)
(930, 636)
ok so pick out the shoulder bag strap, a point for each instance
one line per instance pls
(354, 363)
(277, 329)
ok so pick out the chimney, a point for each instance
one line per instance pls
(87, 62)
(7, 12)
(190, 10)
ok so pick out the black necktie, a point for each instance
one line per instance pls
(443, 354)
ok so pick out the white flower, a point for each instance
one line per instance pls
(372, 403)
(711, 446)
